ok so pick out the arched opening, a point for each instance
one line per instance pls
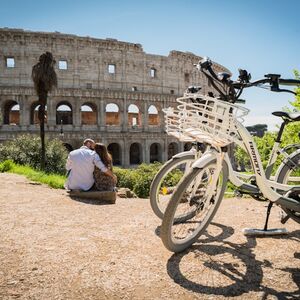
(172, 149)
(187, 146)
(155, 152)
(135, 154)
(11, 113)
(64, 113)
(134, 116)
(112, 115)
(153, 118)
(115, 150)
(88, 114)
(34, 114)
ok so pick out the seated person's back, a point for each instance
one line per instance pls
(80, 164)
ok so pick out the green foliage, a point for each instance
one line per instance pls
(126, 177)
(6, 165)
(173, 178)
(26, 150)
(144, 176)
(265, 143)
(139, 180)
(52, 180)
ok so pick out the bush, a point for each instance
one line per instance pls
(126, 177)
(139, 180)
(6, 165)
(26, 150)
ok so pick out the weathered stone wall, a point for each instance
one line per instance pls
(139, 78)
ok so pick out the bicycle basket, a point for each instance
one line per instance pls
(209, 120)
(172, 125)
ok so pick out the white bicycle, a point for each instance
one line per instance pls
(216, 122)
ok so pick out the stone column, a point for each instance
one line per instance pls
(24, 111)
(164, 145)
(147, 152)
(180, 147)
(146, 117)
(76, 107)
(126, 153)
(124, 118)
(51, 112)
(102, 115)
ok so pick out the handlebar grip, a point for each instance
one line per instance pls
(292, 82)
(240, 101)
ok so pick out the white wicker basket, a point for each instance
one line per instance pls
(207, 120)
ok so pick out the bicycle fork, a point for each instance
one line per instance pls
(212, 175)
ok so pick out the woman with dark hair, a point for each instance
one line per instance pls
(104, 182)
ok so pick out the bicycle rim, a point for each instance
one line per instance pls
(165, 182)
(192, 207)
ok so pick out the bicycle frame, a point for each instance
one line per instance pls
(264, 185)
(235, 176)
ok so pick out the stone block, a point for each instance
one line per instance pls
(109, 197)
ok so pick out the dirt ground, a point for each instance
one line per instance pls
(54, 247)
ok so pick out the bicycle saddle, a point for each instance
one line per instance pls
(290, 116)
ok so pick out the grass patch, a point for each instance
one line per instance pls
(53, 180)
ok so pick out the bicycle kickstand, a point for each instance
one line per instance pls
(265, 231)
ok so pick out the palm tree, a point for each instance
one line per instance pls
(44, 79)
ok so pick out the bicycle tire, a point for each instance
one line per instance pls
(157, 207)
(282, 177)
(179, 244)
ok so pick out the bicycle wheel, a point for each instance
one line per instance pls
(197, 199)
(288, 173)
(161, 190)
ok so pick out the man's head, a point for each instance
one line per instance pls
(89, 143)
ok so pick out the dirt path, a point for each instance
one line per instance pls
(53, 247)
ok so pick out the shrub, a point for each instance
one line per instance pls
(126, 177)
(26, 150)
(139, 179)
(6, 165)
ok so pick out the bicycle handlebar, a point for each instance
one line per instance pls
(231, 94)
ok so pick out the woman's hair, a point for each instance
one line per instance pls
(101, 150)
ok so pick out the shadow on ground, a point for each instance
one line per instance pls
(242, 273)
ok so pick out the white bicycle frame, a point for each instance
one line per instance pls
(265, 186)
(236, 178)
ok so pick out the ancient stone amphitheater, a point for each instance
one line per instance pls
(108, 90)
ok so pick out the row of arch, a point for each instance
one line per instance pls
(136, 152)
(64, 114)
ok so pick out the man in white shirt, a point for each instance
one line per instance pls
(80, 166)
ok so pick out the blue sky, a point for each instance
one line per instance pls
(262, 36)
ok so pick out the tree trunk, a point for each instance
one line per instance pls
(42, 134)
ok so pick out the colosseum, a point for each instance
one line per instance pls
(108, 90)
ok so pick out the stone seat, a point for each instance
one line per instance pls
(109, 197)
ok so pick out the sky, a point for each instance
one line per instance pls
(261, 36)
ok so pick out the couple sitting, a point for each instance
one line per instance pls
(90, 166)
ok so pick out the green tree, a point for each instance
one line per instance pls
(290, 135)
(44, 79)
(265, 143)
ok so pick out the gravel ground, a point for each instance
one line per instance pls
(55, 247)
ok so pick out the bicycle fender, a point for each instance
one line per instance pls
(185, 153)
(296, 146)
(204, 160)
(285, 162)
